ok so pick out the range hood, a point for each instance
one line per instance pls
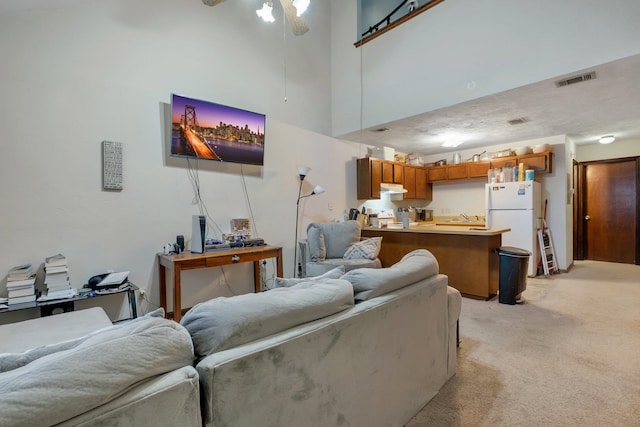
(392, 188)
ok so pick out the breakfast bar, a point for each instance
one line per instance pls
(466, 254)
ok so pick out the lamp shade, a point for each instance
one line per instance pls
(303, 171)
(318, 190)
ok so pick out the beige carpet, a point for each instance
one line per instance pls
(568, 356)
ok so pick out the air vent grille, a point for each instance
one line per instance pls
(576, 79)
(518, 121)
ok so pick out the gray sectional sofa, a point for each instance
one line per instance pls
(138, 373)
(371, 347)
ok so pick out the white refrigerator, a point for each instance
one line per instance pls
(518, 206)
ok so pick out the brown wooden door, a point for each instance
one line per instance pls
(610, 211)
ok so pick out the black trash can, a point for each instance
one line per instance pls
(514, 265)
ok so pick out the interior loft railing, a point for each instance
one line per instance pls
(375, 30)
(386, 19)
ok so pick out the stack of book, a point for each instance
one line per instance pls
(21, 284)
(56, 278)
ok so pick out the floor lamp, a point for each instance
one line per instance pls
(302, 173)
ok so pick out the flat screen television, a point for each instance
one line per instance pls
(206, 130)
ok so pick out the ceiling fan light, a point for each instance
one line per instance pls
(607, 139)
(265, 12)
(301, 6)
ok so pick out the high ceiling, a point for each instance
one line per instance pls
(584, 111)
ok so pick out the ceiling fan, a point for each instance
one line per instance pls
(290, 7)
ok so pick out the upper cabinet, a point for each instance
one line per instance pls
(541, 163)
(417, 180)
(369, 176)
(372, 172)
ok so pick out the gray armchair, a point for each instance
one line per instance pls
(330, 245)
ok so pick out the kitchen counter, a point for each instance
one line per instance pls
(438, 228)
(467, 254)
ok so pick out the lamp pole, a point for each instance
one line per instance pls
(302, 173)
(295, 243)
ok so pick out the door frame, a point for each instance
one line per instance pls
(580, 188)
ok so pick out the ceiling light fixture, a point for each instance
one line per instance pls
(301, 6)
(266, 12)
(607, 139)
(452, 144)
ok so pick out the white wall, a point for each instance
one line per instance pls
(75, 76)
(426, 63)
(615, 150)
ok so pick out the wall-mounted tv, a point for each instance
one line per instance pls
(205, 130)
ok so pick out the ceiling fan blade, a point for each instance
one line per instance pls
(298, 26)
(212, 2)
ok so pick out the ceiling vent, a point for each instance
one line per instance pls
(518, 121)
(576, 79)
(380, 130)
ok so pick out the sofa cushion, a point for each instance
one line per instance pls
(337, 236)
(15, 359)
(315, 240)
(371, 282)
(64, 384)
(281, 282)
(226, 322)
(21, 336)
(318, 268)
(368, 248)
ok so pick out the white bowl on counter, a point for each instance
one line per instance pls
(521, 151)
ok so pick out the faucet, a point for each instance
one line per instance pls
(465, 216)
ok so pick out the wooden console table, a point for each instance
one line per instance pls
(216, 258)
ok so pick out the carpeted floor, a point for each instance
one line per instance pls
(568, 356)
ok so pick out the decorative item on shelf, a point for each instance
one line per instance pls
(302, 173)
(399, 157)
(241, 229)
(541, 148)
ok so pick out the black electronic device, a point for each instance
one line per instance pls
(256, 241)
(107, 280)
(180, 242)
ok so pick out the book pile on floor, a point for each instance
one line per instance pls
(21, 285)
(57, 279)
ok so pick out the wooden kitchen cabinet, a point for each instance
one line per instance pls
(409, 182)
(371, 172)
(478, 169)
(415, 182)
(392, 172)
(437, 173)
(541, 163)
(424, 189)
(502, 162)
(538, 162)
(369, 177)
(457, 171)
